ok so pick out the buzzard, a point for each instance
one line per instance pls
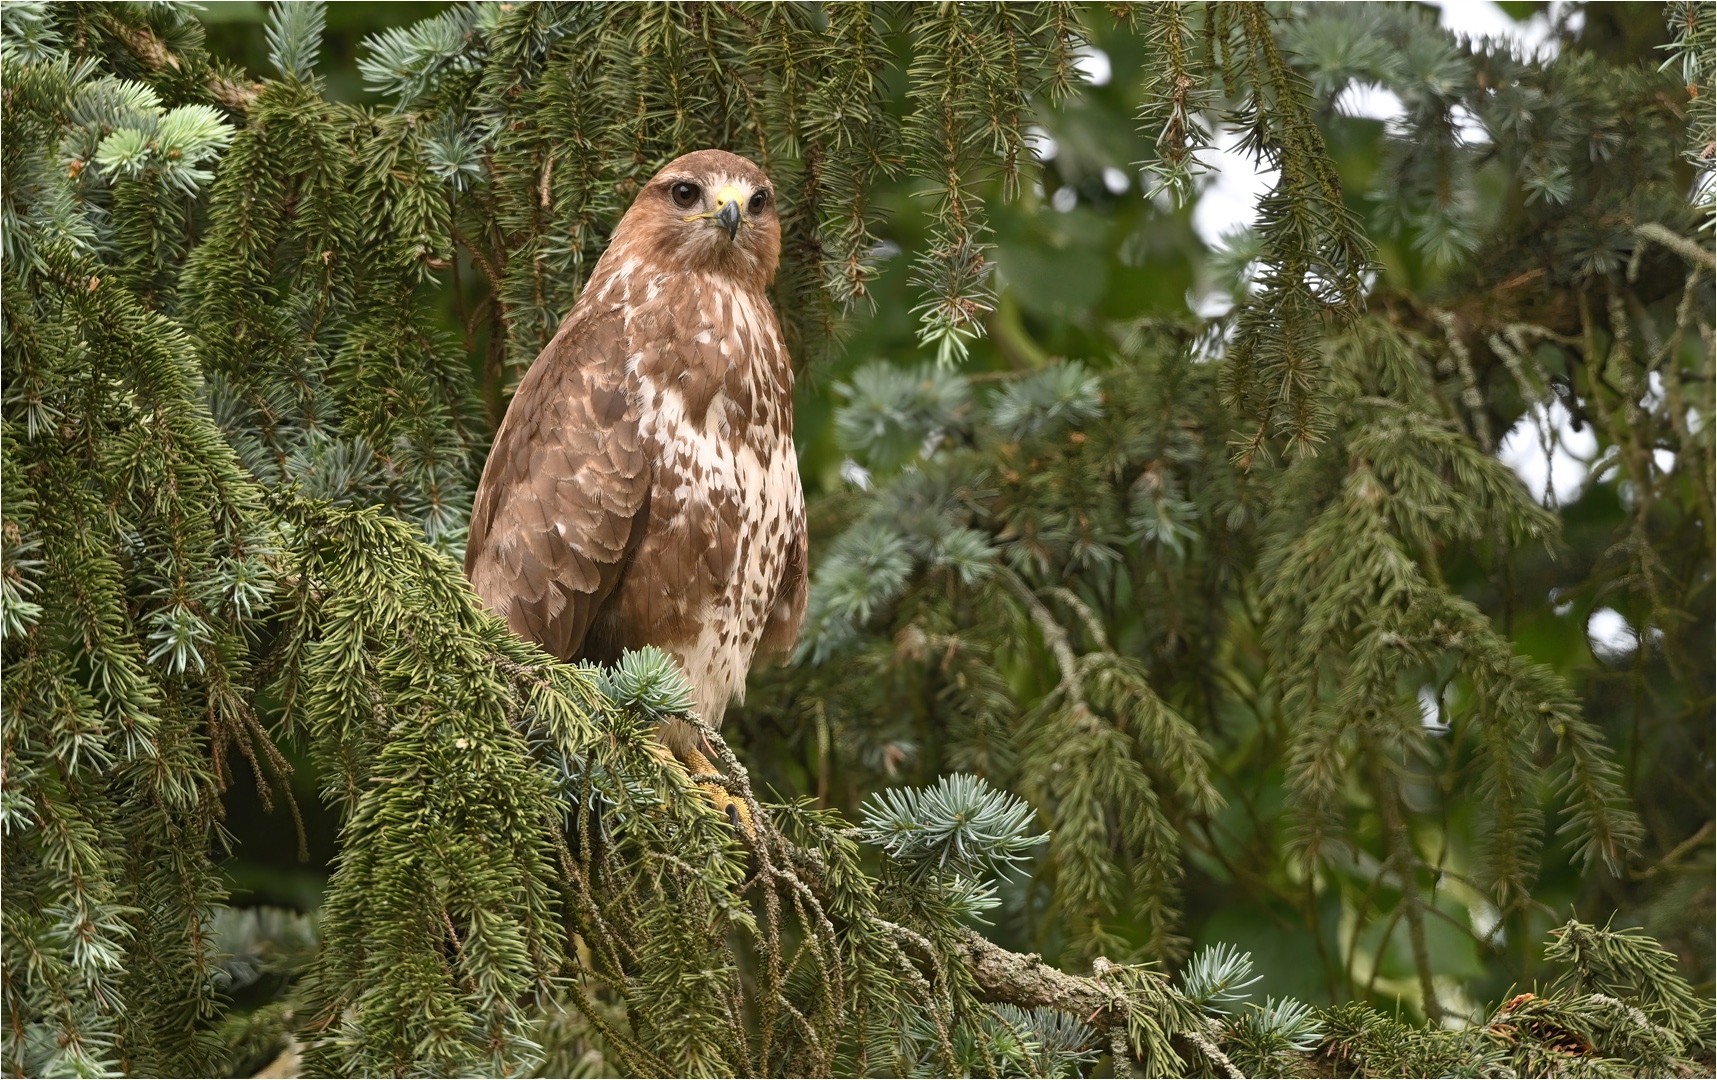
(643, 488)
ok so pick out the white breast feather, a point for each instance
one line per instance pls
(766, 489)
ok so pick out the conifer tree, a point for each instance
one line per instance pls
(237, 454)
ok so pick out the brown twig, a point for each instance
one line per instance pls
(144, 44)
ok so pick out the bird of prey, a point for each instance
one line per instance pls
(643, 487)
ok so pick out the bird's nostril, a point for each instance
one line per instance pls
(728, 217)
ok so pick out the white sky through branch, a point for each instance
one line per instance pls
(1229, 200)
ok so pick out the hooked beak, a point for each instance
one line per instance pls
(728, 208)
(727, 214)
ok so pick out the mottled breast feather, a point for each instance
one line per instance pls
(643, 488)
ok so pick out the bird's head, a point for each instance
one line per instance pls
(710, 211)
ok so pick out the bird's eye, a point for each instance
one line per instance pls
(685, 194)
(759, 199)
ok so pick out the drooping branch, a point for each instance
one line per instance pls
(1054, 635)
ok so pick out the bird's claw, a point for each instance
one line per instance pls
(738, 814)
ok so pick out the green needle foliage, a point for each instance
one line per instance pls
(958, 826)
(254, 340)
(1325, 695)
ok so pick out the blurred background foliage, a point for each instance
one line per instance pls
(1474, 232)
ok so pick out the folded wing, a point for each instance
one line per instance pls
(561, 505)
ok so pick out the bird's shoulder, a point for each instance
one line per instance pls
(574, 397)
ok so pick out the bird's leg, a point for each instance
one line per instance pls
(735, 809)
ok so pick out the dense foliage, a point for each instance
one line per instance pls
(1219, 660)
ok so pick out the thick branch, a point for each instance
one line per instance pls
(1677, 243)
(1023, 979)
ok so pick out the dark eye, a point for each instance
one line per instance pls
(685, 194)
(759, 200)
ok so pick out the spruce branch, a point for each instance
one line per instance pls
(1217, 976)
(960, 826)
(294, 35)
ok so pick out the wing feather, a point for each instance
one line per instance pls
(559, 510)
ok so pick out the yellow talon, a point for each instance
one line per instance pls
(735, 809)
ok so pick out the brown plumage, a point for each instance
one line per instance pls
(643, 488)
